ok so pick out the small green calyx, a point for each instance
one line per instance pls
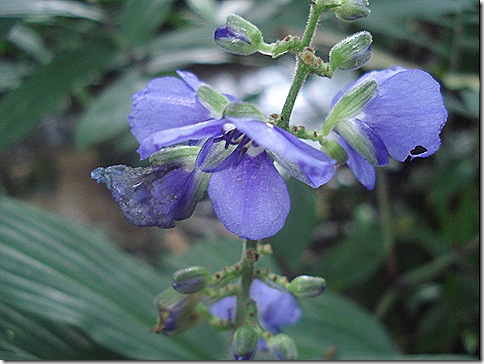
(307, 286)
(180, 154)
(334, 150)
(350, 104)
(190, 280)
(243, 110)
(214, 101)
(245, 342)
(352, 52)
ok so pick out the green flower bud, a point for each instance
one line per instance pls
(352, 52)
(239, 36)
(283, 347)
(307, 286)
(176, 311)
(245, 343)
(190, 280)
(350, 10)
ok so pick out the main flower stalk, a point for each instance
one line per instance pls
(302, 71)
(247, 264)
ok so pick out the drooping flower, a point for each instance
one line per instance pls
(248, 193)
(403, 119)
(276, 307)
(159, 194)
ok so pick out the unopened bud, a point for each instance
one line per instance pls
(307, 286)
(283, 347)
(350, 10)
(190, 280)
(238, 36)
(176, 311)
(352, 52)
(245, 343)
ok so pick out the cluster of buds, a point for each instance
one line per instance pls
(273, 303)
(241, 37)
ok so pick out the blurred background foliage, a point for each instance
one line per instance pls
(77, 281)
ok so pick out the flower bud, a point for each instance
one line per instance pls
(190, 280)
(176, 311)
(245, 343)
(238, 36)
(352, 52)
(283, 347)
(350, 10)
(307, 286)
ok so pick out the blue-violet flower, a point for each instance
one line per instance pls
(248, 193)
(403, 119)
(276, 307)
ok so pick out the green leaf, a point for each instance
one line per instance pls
(333, 322)
(49, 8)
(43, 92)
(358, 256)
(57, 276)
(107, 115)
(141, 19)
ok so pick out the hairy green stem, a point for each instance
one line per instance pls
(302, 71)
(247, 264)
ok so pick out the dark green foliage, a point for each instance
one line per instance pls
(401, 263)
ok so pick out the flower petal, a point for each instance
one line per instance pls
(165, 103)
(361, 168)
(226, 308)
(408, 112)
(304, 162)
(151, 196)
(276, 306)
(251, 200)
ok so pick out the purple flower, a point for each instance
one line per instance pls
(156, 195)
(403, 119)
(248, 193)
(276, 307)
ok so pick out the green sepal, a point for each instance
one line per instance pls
(334, 150)
(214, 101)
(183, 154)
(243, 110)
(350, 104)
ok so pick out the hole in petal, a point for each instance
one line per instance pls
(418, 150)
